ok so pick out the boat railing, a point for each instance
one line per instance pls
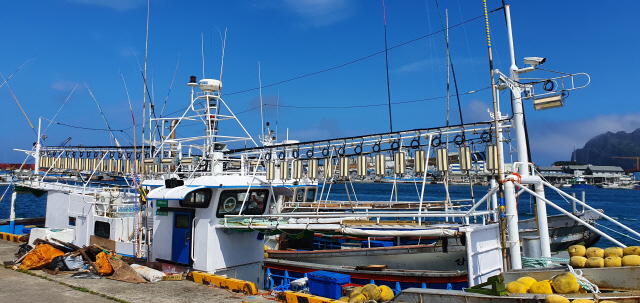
(574, 217)
(371, 219)
(336, 204)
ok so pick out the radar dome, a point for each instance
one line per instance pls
(210, 85)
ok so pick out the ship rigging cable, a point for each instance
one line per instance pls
(366, 57)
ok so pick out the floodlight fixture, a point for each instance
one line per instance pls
(548, 102)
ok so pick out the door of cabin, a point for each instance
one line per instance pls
(181, 242)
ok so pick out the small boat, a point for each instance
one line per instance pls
(580, 182)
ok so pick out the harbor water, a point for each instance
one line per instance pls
(620, 204)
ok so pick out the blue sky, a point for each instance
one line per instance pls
(93, 42)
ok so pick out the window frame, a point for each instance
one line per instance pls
(226, 194)
(193, 204)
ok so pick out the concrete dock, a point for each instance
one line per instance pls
(20, 287)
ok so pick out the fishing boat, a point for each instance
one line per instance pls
(580, 182)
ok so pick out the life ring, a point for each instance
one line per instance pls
(296, 153)
(458, 140)
(310, 153)
(341, 151)
(358, 149)
(325, 151)
(268, 156)
(281, 155)
(395, 143)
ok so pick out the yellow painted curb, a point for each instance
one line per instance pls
(296, 297)
(224, 282)
(10, 237)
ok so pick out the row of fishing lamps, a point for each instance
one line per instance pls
(442, 164)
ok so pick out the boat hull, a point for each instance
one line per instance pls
(419, 257)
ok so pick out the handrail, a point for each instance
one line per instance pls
(588, 206)
(193, 242)
(491, 192)
(365, 215)
(572, 216)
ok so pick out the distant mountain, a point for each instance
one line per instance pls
(601, 149)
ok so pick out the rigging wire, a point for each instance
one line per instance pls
(14, 97)
(19, 68)
(453, 71)
(63, 104)
(365, 57)
(464, 29)
(386, 60)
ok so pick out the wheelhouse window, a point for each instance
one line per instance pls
(231, 201)
(102, 229)
(311, 194)
(200, 198)
(299, 195)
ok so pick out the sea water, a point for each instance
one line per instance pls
(620, 204)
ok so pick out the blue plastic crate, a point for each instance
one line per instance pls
(327, 284)
(375, 243)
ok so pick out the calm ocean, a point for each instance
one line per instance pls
(621, 204)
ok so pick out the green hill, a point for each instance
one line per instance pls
(601, 149)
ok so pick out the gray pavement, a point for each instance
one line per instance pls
(20, 287)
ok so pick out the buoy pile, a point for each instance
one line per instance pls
(594, 257)
(565, 283)
(369, 293)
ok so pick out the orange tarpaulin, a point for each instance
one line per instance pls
(104, 268)
(40, 257)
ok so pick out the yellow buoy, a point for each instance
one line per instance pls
(595, 262)
(612, 262)
(577, 261)
(371, 291)
(386, 294)
(595, 252)
(359, 298)
(556, 299)
(527, 280)
(582, 301)
(631, 250)
(614, 252)
(355, 291)
(577, 250)
(344, 299)
(631, 260)
(565, 283)
(517, 287)
(542, 287)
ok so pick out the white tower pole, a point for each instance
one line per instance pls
(518, 112)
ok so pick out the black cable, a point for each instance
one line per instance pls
(386, 60)
(363, 58)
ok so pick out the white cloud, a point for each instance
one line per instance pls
(414, 66)
(119, 5)
(319, 13)
(63, 85)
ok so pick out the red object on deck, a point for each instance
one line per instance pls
(12, 166)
